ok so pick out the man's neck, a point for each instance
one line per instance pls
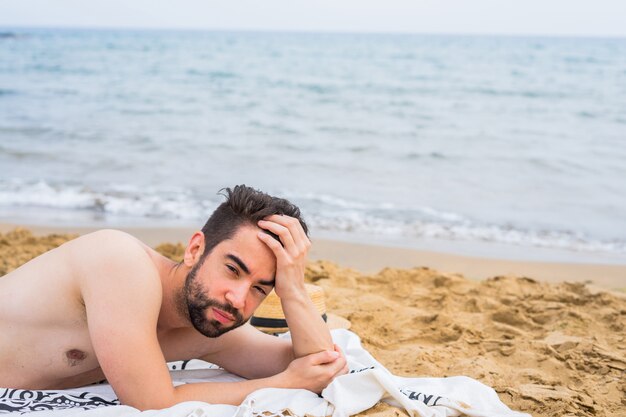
(172, 277)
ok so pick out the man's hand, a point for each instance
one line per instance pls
(291, 256)
(314, 372)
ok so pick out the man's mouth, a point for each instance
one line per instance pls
(222, 316)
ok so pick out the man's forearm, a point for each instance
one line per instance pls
(309, 332)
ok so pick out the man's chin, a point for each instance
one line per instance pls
(216, 329)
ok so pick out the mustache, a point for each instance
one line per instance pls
(228, 308)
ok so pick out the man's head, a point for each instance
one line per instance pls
(233, 270)
(244, 206)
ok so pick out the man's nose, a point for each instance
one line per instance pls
(236, 296)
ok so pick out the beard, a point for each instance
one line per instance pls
(197, 304)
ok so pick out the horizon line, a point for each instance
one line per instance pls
(4, 27)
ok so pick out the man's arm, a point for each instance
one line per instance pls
(122, 294)
(309, 332)
(251, 353)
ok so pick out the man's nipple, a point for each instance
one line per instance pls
(75, 357)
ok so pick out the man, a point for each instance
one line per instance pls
(107, 306)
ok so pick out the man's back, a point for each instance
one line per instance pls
(45, 338)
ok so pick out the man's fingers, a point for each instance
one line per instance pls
(340, 367)
(282, 232)
(323, 357)
(273, 244)
(343, 370)
(294, 226)
(342, 362)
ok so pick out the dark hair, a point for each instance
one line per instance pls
(244, 206)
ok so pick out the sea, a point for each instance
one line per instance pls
(482, 145)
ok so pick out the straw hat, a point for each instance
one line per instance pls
(270, 318)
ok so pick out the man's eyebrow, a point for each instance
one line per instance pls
(268, 282)
(244, 268)
(239, 262)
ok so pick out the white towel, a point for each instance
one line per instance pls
(367, 383)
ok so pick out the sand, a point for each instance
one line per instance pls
(549, 349)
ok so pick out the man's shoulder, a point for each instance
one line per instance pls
(111, 252)
(110, 235)
(107, 242)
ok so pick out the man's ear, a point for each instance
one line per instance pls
(194, 249)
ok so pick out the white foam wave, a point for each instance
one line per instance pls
(42, 194)
(323, 212)
(462, 230)
(328, 200)
(121, 200)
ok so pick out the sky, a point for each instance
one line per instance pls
(513, 17)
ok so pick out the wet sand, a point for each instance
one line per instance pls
(550, 344)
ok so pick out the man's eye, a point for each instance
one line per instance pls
(261, 290)
(232, 269)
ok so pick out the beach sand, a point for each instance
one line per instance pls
(548, 348)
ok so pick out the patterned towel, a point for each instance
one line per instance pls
(367, 383)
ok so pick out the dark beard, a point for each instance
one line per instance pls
(198, 304)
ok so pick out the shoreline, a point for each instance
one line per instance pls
(372, 258)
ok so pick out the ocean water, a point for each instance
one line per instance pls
(443, 140)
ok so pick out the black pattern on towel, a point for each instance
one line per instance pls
(25, 401)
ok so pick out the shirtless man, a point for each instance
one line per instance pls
(106, 305)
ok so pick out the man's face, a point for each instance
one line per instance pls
(223, 291)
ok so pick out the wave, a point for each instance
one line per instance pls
(419, 155)
(322, 212)
(318, 88)
(535, 94)
(212, 75)
(466, 231)
(335, 214)
(19, 154)
(7, 92)
(118, 200)
(9, 35)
